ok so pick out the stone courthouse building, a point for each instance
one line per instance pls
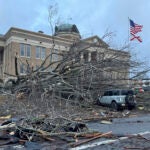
(33, 47)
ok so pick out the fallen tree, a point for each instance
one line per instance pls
(82, 73)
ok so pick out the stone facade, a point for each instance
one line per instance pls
(33, 47)
(10, 46)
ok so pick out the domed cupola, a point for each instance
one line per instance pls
(68, 31)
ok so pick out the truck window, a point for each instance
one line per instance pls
(106, 93)
(116, 92)
(110, 93)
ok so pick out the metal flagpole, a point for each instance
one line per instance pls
(128, 32)
(129, 83)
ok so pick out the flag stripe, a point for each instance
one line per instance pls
(135, 28)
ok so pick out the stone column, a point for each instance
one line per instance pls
(89, 56)
(81, 57)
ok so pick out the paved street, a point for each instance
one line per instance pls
(120, 126)
(131, 125)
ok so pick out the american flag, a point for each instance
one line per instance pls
(135, 28)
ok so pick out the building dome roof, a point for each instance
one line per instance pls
(66, 28)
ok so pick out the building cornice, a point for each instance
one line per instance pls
(33, 43)
(36, 35)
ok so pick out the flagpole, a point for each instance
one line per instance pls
(128, 32)
(128, 46)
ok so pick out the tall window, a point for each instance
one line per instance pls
(25, 50)
(22, 69)
(94, 56)
(40, 52)
(28, 50)
(22, 50)
(55, 55)
(85, 56)
(43, 53)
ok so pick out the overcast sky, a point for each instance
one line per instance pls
(92, 17)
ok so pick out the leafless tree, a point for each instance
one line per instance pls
(75, 79)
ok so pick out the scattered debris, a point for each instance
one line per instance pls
(113, 139)
(106, 122)
(141, 107)
(16, 131)
(145, 136)
(5, 117)
(125, 113)
(103, 114)
(91, 139)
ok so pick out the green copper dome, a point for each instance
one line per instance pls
(66, 28)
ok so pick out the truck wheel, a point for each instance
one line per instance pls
(114, 106)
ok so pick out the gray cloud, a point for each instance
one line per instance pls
(92, 17)
(22, 14)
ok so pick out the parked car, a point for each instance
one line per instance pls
(146, 88)
(118, 98)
